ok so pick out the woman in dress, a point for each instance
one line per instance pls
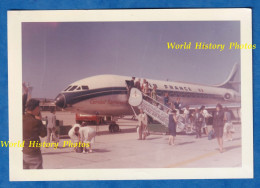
(218, 125)
(172, 127)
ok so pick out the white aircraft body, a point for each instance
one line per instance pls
(108, 95)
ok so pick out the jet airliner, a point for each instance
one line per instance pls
(108, 94)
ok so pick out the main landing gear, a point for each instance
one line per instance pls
(113, 128)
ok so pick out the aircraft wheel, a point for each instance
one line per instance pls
(116, 128)
(110, 128)
(113, 128)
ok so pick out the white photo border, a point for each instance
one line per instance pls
(15, 19)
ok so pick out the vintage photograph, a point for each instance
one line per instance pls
(133, 94)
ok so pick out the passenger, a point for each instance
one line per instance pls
(189, 124)
(198, 122)
(186, 115)
(32, 130)
(193, 118)
(142, 125)
(218, 124)
(143, 85)
(177, 104)
(172, 127)
(172, 106)
(228, 127)
(138, 84)
(87, 135)
(74, 133)
(206, 116)
(147, 89)
(166, 99)
(51, 126)
(131, 83)
(154, 96)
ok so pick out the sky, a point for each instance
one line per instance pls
(55, 55)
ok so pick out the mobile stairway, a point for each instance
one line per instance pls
(158, 112)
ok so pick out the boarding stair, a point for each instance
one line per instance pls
(154, 109)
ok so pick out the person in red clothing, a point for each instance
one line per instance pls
(32, 129)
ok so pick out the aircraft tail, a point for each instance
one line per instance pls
(230, 82)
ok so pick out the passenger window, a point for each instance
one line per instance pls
(176, 87)
(171, 87)
(181, 88)
(85, 87)
(79, 88)
(165, 86)
(72, 88)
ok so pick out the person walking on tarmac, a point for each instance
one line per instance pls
(172, 127)
(218, 125)
(142, 125)
(199, 118)
(206, 115)
(51, 126)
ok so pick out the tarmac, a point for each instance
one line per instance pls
(124, 150)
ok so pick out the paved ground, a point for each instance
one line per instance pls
(123, 150)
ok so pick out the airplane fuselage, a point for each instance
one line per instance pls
(108, 95)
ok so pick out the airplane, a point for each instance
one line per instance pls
(107, 95)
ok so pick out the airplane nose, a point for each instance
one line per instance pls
(60, 101)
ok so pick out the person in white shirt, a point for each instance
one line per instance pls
(142, 125)
(73, 133)
(51, 126)
(87, 135)
(186, 113)
(206, 115)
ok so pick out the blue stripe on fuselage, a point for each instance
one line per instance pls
(78, 96)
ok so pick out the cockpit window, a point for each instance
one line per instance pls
(67, 88)
(72, 88)
(84, 87)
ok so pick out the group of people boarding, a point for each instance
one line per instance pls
(144, 86)
(222, 124)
